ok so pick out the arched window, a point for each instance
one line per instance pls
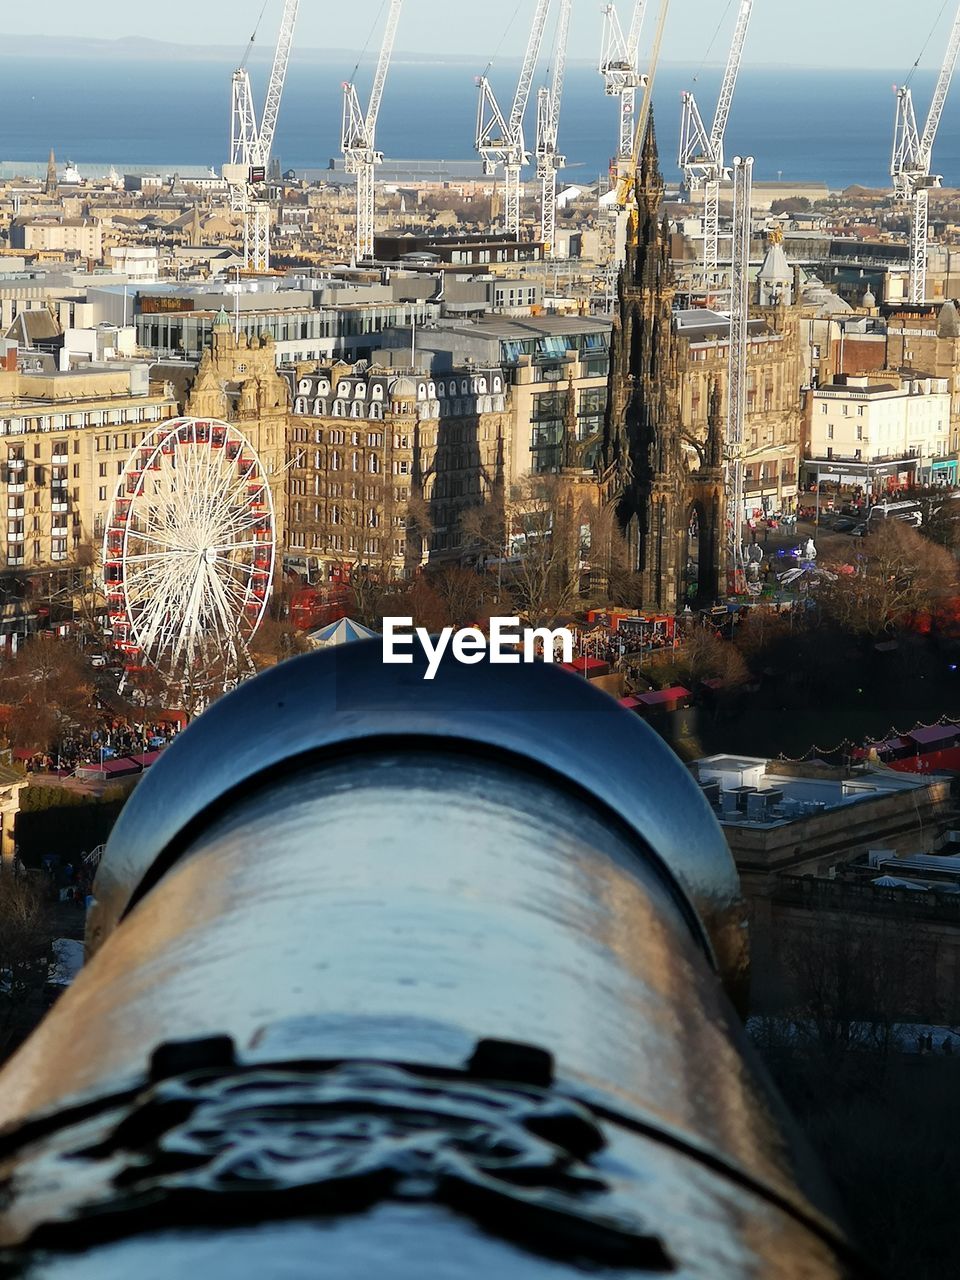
(323, 386)
(360, 391)
(300, 405)
(339, 408)
(320, 408)
(464, 387)
(422, 391)
(376, 411)
(335, 462)
(304, 387)
(481, 384)
(432, 386)
(497, 384)
(376, 391)
(373, 463)
(335, 514)
(441, 389)
(356, 409)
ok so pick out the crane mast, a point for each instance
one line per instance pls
(737, 366)
(549, 160)
(701, 152)
(912, 164)
(620, 68)
(359, 137)
(628, 169)
(251, 146)
(501, 141)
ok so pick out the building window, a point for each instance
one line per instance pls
(830, 432)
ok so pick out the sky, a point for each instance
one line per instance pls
(815, 33)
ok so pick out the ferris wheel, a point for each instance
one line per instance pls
(189, 551)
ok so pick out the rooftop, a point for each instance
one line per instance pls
(755, 792)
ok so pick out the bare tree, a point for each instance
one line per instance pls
(542, 551)
(466, 595)
(51, 691)
(26, 935)
(899, 574)
(274, 642)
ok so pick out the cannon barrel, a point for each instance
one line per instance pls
(412, 978)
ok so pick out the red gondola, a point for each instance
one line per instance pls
(218, 437)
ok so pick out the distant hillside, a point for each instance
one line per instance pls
(140, 49)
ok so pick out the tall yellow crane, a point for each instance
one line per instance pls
(625, 177)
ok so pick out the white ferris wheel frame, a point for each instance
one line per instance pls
(173, 640)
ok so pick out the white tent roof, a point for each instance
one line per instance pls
(345, 631)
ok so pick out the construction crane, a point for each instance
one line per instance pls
(500, 141)
(627, 168)
(913, 161)
(549, 160)
(251, 145)
(737, 366)
(358, 139)
(620, 68)
(701, 153)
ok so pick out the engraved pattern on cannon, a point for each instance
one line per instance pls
(319, 1140)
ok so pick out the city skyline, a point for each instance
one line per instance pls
(854, 40)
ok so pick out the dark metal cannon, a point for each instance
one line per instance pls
(400, 978)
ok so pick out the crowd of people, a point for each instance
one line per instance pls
(111, 742)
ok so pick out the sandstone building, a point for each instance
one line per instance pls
(382, 466)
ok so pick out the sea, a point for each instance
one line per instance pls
(833, 127)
